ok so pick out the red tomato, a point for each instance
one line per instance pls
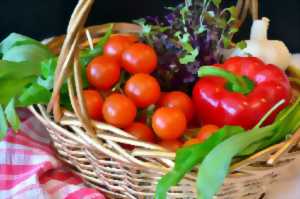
(139, 58)
(129, 37)
(117, 44)
(192, 142)
(206, 131)
(141, 131)
(168, 123)
(103, 72)
(171, 145)
(119, 110)
(180, 100)
(94, 103)
(142, 89)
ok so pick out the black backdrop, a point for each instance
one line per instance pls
(44, 18)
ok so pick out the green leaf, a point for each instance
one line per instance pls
(184, 39)
(106, 36)
(183, 11)
(241, 45)
(13, 87)
(233, 11)
(190, 57)
(15, 39)
(233, 30)
(251, 149)
(30, 52)
(226, 41)
(88, 54)
(201, 29)
(65, 101)
(215, 166)
(35, 94)
(188, 157)
(287, 121)
(220, 22)
(233, 14)
(46, 83)
(146, 29)
(12, 116)
(48, 67)
(217, 2)
(3, 124)
(10, 69)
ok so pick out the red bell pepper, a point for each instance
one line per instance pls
(240, 92)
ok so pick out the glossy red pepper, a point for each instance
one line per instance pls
(240, 92)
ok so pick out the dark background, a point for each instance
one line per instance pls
(43, 18)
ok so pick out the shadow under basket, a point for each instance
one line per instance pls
(97, 151)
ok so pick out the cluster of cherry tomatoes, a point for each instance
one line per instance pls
(127, 107)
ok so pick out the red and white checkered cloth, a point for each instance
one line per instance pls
(29, 169)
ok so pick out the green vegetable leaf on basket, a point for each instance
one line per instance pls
(19, 68)
(192, 156)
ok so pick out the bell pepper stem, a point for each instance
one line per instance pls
(240, 84)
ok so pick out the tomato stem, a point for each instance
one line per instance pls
(239, 84)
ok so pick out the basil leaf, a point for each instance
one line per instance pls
(46, 83)
(15, 39)
(3, 123)
(12, 116)
(10, 69)
(35, 94)
(13, 87)
(28, 52)
(48, 67)
(215, 166)
(188, 157)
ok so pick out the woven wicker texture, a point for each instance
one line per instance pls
(96, 151)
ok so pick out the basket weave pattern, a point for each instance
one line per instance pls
(96, 151)
(135, 174)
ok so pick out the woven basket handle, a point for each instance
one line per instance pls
(69, 56)
(244, 7)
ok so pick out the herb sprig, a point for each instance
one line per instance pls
(191, 35)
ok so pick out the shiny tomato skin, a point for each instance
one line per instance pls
(116, 45)
(103, 72)
(180, 100)
(142, 89)
(206, 131)
(171, 145)
(94, 103)
(119, 110)
(141, 131)
(168, 123)
(139, 58)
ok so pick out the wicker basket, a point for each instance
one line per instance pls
(94, 150)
